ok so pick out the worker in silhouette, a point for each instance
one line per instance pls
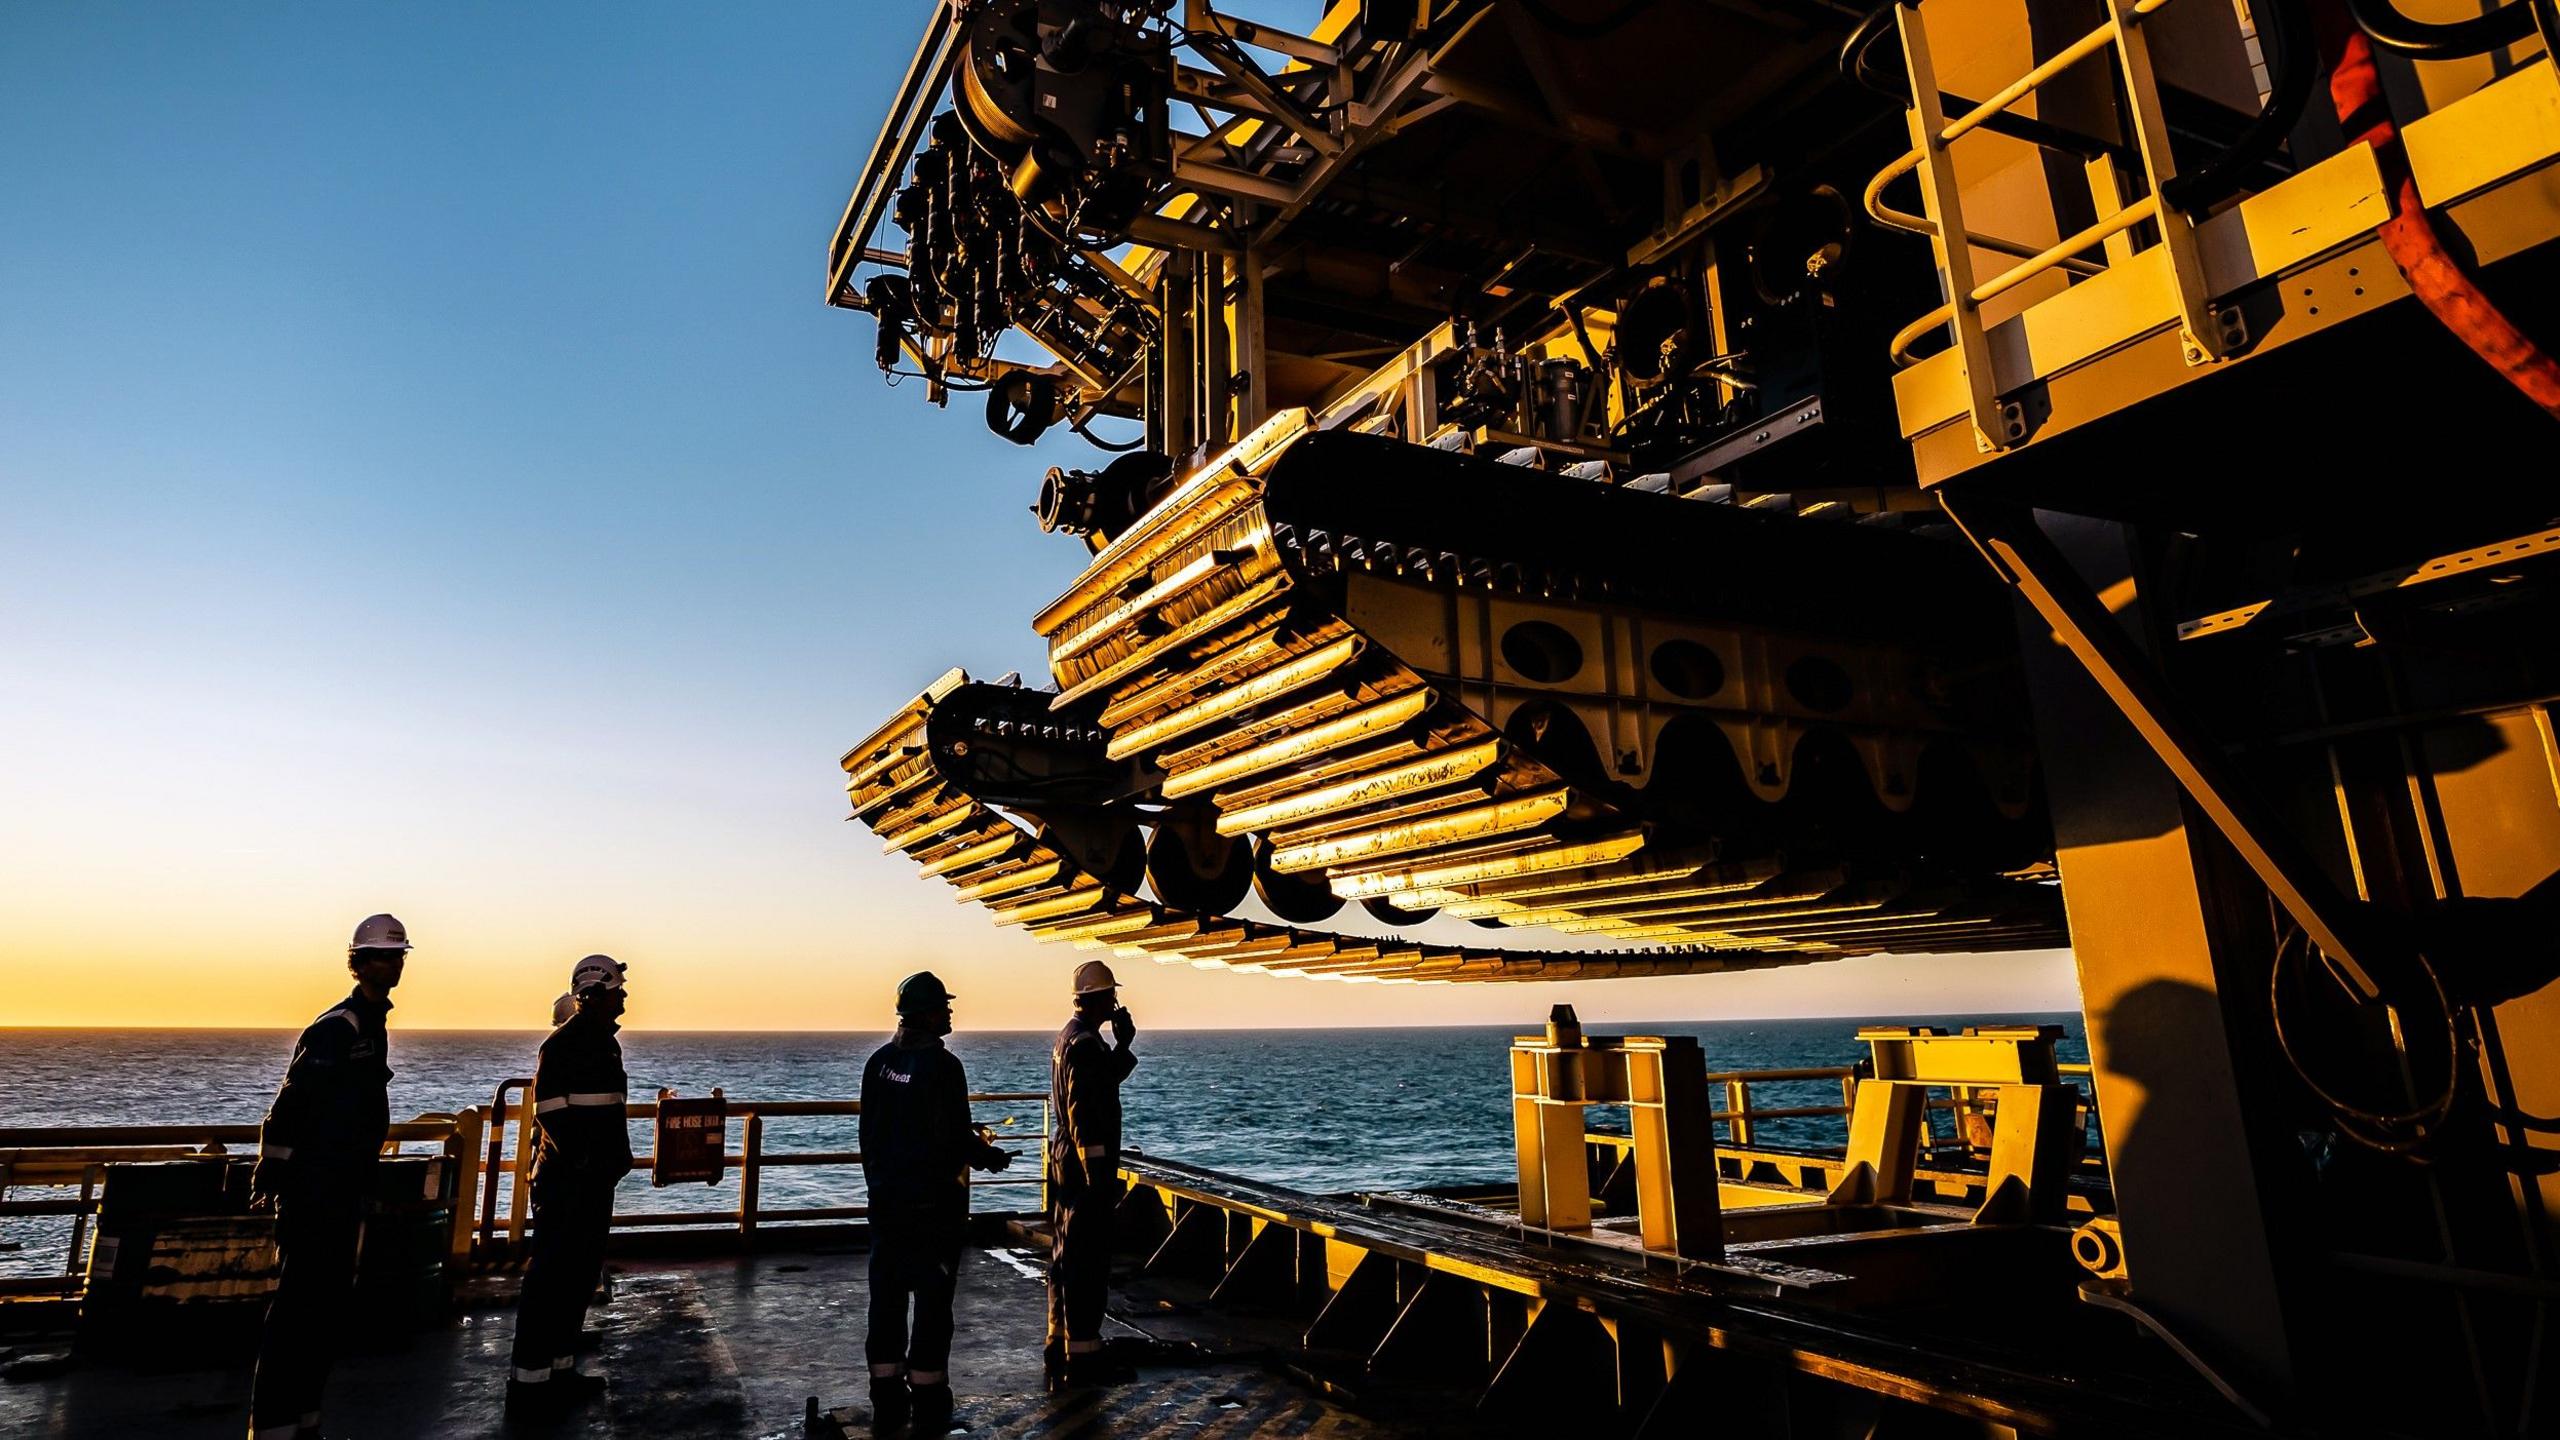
(918, 1147)
(582, 1149)
(316, 1153)
(1084, 1175)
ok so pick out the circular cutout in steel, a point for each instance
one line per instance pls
(1818, 683)
(1387, 912)
(1298, 899)
(1687, 669)
(1541, 653)
(1210, 878)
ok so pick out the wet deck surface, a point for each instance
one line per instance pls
(726, 1347)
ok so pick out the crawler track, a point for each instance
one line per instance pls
(1690, 741)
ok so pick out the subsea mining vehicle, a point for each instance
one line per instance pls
(1591, 488)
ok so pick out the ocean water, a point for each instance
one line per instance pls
(1321, 1110)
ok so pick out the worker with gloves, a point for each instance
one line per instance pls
(316, 1153)
(1084, 1175)
(918, 1147)
(582, 1149)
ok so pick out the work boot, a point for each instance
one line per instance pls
(537, 1400)
(1097, 1368)
(932, 1410)
(1053, 1367)
(890, 1402)
(575, 1385)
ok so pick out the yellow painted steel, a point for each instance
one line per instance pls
(1214, 491)
(1595, 889)
(1093, 629)
(1446, 767)
(1298, 748)
(1138, 656)
(1073, 902)
(1251, 649)
(1279, 680)
(1448, 872)
(976, 853)
(2036, 1129)
(2496, 140)
(1475, 822)
(1328, 702)
(960, 813)
(1663, 1084)
(1039, 873)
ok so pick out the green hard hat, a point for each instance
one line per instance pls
(921, 991)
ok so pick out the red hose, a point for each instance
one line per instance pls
(2409, 237)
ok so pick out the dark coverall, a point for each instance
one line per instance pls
(316, 1155)
(917, 1147)
(1085, 1072)
(582, 1149)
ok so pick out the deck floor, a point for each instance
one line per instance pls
(725, 1347)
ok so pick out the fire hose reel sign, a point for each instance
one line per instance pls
(692, 1140)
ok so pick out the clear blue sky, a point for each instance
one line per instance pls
(430, 480)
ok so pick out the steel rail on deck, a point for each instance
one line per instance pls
(1942, 219)
(474, 1140)
(1739, 1113)
(489, 1224)
(750, 1160)
(61, 1156)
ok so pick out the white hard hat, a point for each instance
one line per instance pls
(380, 932)
(563, 1008)
(1093, 977)
(595, 971)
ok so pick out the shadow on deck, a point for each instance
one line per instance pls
(728, 1346)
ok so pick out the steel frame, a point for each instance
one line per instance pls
(1415, 1289)
(2292, 261)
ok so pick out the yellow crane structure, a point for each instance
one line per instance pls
(1712, 484)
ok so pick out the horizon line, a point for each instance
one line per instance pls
(1161, 1030)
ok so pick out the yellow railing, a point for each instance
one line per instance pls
(490, 1200)
(61, 1157)
(1952, 240)
(1739, 1114)
(490, 1206)
(501, 1164)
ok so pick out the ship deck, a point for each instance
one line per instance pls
(1446, 1320)
(703, 1346)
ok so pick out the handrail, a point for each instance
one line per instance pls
(487, 1222)
(425, 1127)
(1933, 133)
(1738, 1114)
(749, 1160)
(66, 1156)
(63, 1156)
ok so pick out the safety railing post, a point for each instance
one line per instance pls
(1949, 240)
(750, 1172)
(492, 1165)
(1737, 1104)
(518, 1201)
(80, 1221)
(465, 1149)
(2200, 329)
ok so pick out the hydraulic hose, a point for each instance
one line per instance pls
(2409, 236)
(2410, 1132)
(2426, 40)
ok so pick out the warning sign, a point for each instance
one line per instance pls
(692, 1138)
